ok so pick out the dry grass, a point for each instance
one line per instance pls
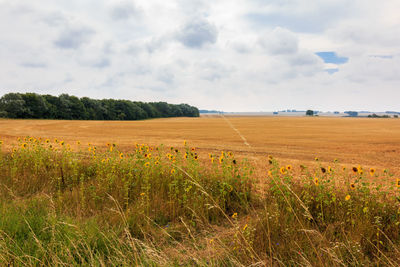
(369, 142)
(133, 204)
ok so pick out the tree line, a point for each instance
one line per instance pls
(68, 107)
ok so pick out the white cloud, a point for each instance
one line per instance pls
(241, 55)
(197, 33)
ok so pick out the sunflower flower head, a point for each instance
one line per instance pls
(347, 198)
(372, 171)
(282, 170)
(316, 181)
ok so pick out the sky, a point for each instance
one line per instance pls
(236, 55)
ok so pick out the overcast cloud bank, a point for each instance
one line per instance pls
(224, 55)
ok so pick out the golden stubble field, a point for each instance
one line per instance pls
(295, 140)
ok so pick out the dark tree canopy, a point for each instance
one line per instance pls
(35, 106)
(310, 112)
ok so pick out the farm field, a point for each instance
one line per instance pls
(368, 142)
(211, 191)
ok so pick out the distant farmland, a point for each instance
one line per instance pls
(369, 142)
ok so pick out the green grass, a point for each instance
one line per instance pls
(164, 207)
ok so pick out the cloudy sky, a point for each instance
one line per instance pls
(231, 55)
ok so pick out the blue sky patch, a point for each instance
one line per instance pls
(331, 57)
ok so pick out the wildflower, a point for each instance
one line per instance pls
(55, 140)
(269, 173)
(316, 181)
(78, 143)
(193, 148)
(234, 215)
(269, 157)
(323, 170)
(355, 170)
(347, 198)
(47, 141)
(184, 142)
(108, 144)
(62, 143)
(147, 164)
(316, 159)
(142, 194)
(288, 167)
(173, 171)
(282, 170)
(344, 168)
(329, 169)
(359, 170)
(196, 157)
(245, 227)
(210, 155)
(1, 142)
(234, 161)
(24, 145)
(230, 154)
(121, 155)
(270, 161)
(372, 171)
(156, 163)
(221, 159)
(352, 186)
(186, 155)
(398, 183)
(111, 148)
(14, 150)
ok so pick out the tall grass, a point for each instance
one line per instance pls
(166, 206)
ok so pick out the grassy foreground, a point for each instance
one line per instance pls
(159, 206)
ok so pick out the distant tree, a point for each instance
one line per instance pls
(36, 105)
(309, 113)
(31, 105)
(13, 105)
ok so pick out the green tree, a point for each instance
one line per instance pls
(309, 112)
(13, 105)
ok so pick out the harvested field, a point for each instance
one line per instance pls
(369, 142)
